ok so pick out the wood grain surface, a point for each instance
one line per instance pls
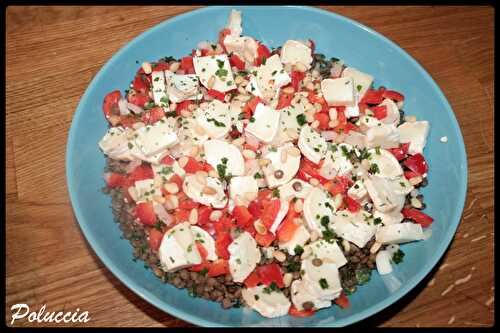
(53, 53)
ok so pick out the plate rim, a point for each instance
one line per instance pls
(354, 318)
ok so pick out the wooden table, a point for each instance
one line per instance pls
(53, 53)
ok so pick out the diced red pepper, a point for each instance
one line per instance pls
(201, 250)
(221, 243)
(287, 229)
(416, 215)
(236, 61)
(379, 112)
(249, 108)
(177, 180)
(373, 97)
(323, 120)
(110, 104)
(114, 179)
(284, 100)
(222, 35)
(138, 99)
(161, 66)
(145, 213)
(410, 174)
(153, 115)
(128, 121)
(252, 280)
(214, 268)
(142, 172)
(296, 77)
(338, 185)
(155, 238)
(314, 98)
(192, 166)
(417, 163)
(342, 301)
(216, 94)
(270, 212)
(187, 65)
(300, 313)
(204, 214)
(352, 205)
(308, 170)
(255, 208)
(140, 84)
(400, 152)
(182, 106)
(242, 216)
(181, 215)
(266, 239)
(271, 273)
(394, 95)
(262, 53)
(168, 160)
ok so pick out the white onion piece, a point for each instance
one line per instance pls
(134, 108)
(383, 261)
(329, 135)
(337, 68)
(132, 165)
(162, 214)
(122, 105)
(393, 248)
(251, 140)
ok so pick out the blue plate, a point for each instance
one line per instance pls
(335, 36)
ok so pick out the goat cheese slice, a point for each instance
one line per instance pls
(159, 88)
(244, 47)
(284, 205)
(362, 81)
(144, 190)
(218, 152)
(327, 252)
(115, 144)
(244, 256)
(289, 119)
(218, 67)
(271, 76)
(312, 144)
(182, 87)
(178, 249)
(299, 238)
(288, 168)
(202, 236)
(353, 227)
(388, 218)
(317, 204)
(416, 134)
(338, 92)
(399, 233)
(383, 136)
(321, 281)
(243, 189)
(269, 304)
(294, 52)
(215, 119)
(336, 161)
(358, 191)
(264, 123)
(295, 188)
(194, 190)
(384, 198)
(355, 139)
(253, 87)
(387, 165)
(301, 295)
(152, 139)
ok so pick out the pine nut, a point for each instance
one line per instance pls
(308, 107)
(191, 107)
(193, 151)
(314, 182)
(314, 235)
(315, 124)
(174, 66)
(337, 200)
(333, 123)
(157, 182)
(203, 105)
(346, 245)
(375, 247)
(309, 117)
(171, 202)
(249, 154)
(238, 79)
(239, 141)
(159, 199)
(293, 151)
(264, 161)
(146, 67)
(186, 114)
(215, 215)
(171, 188)
(114, 120)
(416, 203)
(365, 164)
(209, 190)
(199, 130)
(244, 98)
(283, 156)
(250, 196)
(193, 216)
(298, 221)
(333, 113)
(307, 252)
(288, 90)
(300, 67)
(415, 180)
(280, 256)
(292, 134)
(242, 90)
(315, 74)
(298, 206)
(183, 161)
(201, 177)
(211, 82)
(260, 227)
(173, 106)
(310, 86)
(287, 279)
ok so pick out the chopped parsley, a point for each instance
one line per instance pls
(377, 220)
(398, 256)
(377, 150)
(293, 266)
(328, 234)
(204, 271)
(272, 287)
(374, 168)
(363, 276)
(216, 122)
(301, 119)
(171, 114)
(363, 154)
(149, 105)
(323, 283)
(359, 87)
(276, 193)
(257, 176)
(256, 297)
(298, 250)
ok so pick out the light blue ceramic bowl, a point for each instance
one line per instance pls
(335, 36)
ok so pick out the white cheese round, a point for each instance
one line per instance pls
(317, 204)
(215, 119)
(217, 151)
(288, 168)
(387, 164)
(244, 256)
(194, 189)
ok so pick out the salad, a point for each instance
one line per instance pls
(276, 179)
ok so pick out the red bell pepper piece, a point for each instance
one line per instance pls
(300, 313)
(400, 152)
(284, 100)
(394, 95)
(417, 163)
(110, 104)
(145, 213)
(342, 301)
(155, 238)
(216, 94)
(237, 62)
(416, 215)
